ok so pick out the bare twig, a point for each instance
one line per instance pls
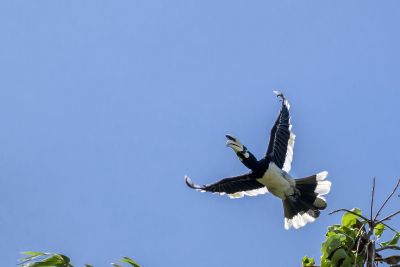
(388, 247)
(372, 197)
(391, 260)
(352, 212)
(387, 199)
(373, 252)
(358, 242)
(367, 255)
(390, 228)
(389, 217)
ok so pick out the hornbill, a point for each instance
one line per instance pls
(302, 198)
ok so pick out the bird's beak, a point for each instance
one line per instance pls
(232, 141)
(234, 144)
(230, 137)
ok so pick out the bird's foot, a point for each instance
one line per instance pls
(292, 198)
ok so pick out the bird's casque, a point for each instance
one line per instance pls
(302, 198)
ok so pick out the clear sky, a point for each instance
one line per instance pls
(106, 105)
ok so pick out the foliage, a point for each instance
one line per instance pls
(126, 260)
(341, 242)
(42, 259)
(347, 244)
(308, 262)
(353, 242)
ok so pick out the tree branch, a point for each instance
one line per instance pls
(388, 247)
(389, 217)
(358, 243)
(387, 199)
(390, 228)
(372, 197)
(352, 212)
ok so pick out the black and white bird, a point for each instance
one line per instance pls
(302, 198)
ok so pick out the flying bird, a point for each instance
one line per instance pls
(302, 198)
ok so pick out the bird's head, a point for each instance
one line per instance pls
(235, 144)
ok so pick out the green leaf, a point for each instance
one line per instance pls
(378, 229)
(32, 256)
(308, 262)
(392, 242)
(330, 245)
(326, 263)
(348, 262)
(49, 262)
(65, 259)
(33, 253)
(349, 219)
(347, 235)
(130, 262)
(339, 255)
(45, 260)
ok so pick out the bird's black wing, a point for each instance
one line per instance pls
(281, 142)
(234, 187)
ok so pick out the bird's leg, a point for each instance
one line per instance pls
(247, 158)
(293, 198)
(295, 195)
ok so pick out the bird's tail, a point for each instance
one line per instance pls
(309, 200)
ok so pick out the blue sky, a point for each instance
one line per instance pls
(106, 105)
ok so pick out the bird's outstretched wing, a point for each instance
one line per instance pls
(281, 142)
(234, 187)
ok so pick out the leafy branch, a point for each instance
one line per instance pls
(353, 242)
(45, 259)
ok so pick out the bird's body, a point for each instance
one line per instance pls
(277, 181)
(302, 198)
